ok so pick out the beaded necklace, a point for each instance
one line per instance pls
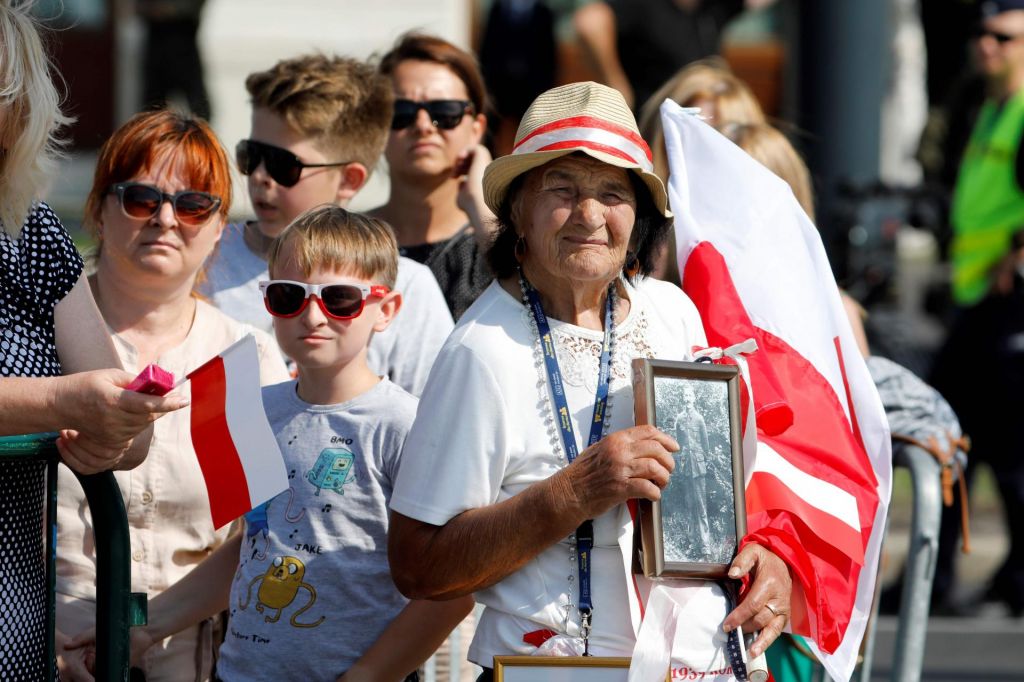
(580, 542)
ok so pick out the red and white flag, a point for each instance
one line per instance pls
(238, 453)
(818, 477)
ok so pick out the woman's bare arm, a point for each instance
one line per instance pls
(482, 546)
(98, 418)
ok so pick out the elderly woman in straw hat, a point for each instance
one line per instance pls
(524, 453)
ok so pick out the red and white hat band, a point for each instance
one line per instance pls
(590, 133)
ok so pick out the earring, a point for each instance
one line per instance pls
(632, 264)
(520, 249)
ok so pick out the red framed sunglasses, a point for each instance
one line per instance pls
(338, 301)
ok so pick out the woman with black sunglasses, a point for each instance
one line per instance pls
(436, 163)
(157, 207)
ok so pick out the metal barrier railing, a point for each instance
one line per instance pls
(117, 608)
(919, 572)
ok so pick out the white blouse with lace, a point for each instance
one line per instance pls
(483, 433)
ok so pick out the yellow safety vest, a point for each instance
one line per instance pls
(988, 204)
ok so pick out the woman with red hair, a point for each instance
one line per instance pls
(158, 204)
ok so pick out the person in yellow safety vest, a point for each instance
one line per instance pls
(988, 200)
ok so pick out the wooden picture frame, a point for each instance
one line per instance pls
(562, 669)
(694, 530)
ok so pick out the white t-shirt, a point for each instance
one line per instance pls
(457, 459)
(404, 352)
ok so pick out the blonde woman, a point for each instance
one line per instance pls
(720, 94)
(48, 325)
(722, 98)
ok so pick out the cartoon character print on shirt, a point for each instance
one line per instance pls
(289, 515)
(332, 470)
(257, 524)
(279, 587)
(257, 531)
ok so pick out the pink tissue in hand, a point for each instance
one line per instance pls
(154, 380)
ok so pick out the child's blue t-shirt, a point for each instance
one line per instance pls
(313, 590)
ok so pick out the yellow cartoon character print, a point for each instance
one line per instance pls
(278, 589)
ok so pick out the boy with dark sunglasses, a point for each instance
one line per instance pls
(310, 573)
(319, 125)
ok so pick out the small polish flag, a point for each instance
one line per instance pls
(237, 451)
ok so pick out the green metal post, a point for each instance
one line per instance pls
(117, 609)
(113, 576)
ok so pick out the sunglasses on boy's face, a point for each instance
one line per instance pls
(980, 32)
(341, 301)
(444, 113)
(282, 166)
(139, 200)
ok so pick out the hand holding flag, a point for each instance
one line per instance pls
(237, 451)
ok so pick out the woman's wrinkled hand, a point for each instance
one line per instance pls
(631, 463)
(766, 604)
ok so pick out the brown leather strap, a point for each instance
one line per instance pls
(947, 459)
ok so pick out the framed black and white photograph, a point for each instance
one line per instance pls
(694, 530)
(561, 669)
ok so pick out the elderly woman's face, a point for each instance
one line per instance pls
(160, 247)
(576, 215)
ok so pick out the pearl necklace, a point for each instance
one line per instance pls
(552, 429)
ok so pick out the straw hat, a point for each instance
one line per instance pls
(580, 117)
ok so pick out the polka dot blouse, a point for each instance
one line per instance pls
(37, 270)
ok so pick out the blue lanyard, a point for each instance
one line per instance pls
(734, 646)
(547, 345)
(585, 533)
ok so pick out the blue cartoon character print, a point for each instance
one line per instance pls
(333, 469)
(257, 529)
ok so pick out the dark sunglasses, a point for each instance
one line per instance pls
(980, 32)
(285, 298)
(282, 166)
(139, 200)
(443, 113)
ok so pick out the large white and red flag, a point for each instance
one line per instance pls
(237, 451)
(818, 478)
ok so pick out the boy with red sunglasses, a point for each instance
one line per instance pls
(319, 126)
(308, 584)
